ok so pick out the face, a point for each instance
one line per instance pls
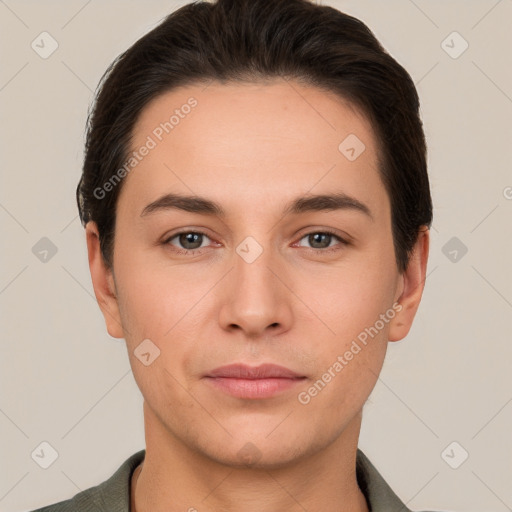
(312, 288)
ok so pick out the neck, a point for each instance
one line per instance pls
(174, 478)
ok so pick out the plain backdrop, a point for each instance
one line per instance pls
(66, 382)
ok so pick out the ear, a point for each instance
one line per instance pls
(103, 282)
(411, 287)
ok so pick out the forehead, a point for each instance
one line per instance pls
(275, 138)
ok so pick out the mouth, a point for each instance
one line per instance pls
(253, 382)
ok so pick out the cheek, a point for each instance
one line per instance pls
(350, 357)
(353, 307)
(349, 297)
(154, 295)
(165, 304)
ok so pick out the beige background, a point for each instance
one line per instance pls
(66, 382)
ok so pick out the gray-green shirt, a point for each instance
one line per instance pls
(113, 495)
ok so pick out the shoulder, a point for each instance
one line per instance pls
(112, 495)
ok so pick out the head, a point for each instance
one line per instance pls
(304, 235)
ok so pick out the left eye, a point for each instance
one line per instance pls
(317, 239)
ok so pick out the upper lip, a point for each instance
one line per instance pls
(243, 371)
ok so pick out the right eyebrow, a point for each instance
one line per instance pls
(193, 204)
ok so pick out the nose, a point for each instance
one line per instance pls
(256, 297)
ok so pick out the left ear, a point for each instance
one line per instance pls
(413, 283)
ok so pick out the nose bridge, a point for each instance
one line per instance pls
(256, 297)
(254, 282)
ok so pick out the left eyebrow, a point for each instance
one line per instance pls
(303, 204)
(327, 202)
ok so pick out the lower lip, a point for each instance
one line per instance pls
(253, 388)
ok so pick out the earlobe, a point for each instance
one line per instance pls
(413, 283)
(103, 282)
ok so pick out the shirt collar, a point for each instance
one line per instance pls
(379, 495)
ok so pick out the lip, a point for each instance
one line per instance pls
(253, 382)
(263, 371)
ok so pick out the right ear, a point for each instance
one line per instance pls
(103, 282)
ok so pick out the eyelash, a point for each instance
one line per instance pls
(191, 252)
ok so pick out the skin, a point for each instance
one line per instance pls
(253, 148)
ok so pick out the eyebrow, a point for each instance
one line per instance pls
(308, 203)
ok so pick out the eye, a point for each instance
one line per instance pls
(189, 241)
(321, 240)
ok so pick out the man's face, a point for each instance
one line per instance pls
(258, 285)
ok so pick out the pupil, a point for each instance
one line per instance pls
(189, 238)
(318, 235)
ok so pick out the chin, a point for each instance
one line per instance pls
(256, 450)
